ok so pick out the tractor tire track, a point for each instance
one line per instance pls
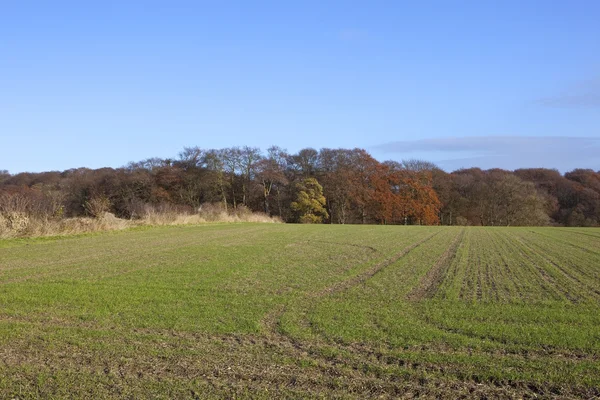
(429, 284)
(566, 242)
(270, 323)
(365, 275)
(569, 275)
(548, 279)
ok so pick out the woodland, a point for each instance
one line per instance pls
(337, 186)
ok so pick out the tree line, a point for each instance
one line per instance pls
(329, 185)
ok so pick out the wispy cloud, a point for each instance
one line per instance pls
(509, 152)
(586, 94)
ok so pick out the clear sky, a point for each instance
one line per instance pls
(461, 83)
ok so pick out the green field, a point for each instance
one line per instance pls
(296, 311)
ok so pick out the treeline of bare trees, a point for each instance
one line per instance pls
(357, 189)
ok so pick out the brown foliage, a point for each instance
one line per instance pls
(358, 189)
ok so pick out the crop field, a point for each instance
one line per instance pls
(302, 311)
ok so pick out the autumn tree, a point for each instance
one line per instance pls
(232, 164)
(346, 182)
(310, 202)
(364, 172)
(214, 161)
(190, 158)
(498, 197)
(417, 165)
(450, 200)
(4, 175)
(270, 172)
(383, 199)
(413, 199)
(305, 162)
(358, 189)
(248, 159)
(417, 199)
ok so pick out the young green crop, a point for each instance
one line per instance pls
(297, 311)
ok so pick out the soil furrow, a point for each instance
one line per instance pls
(364, 276)
(429, 284)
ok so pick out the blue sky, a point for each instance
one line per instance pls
(461, 83)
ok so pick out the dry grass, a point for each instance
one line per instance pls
(36, 227)
(16, 225)
(207, 213)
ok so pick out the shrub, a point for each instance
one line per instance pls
(97, 206)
